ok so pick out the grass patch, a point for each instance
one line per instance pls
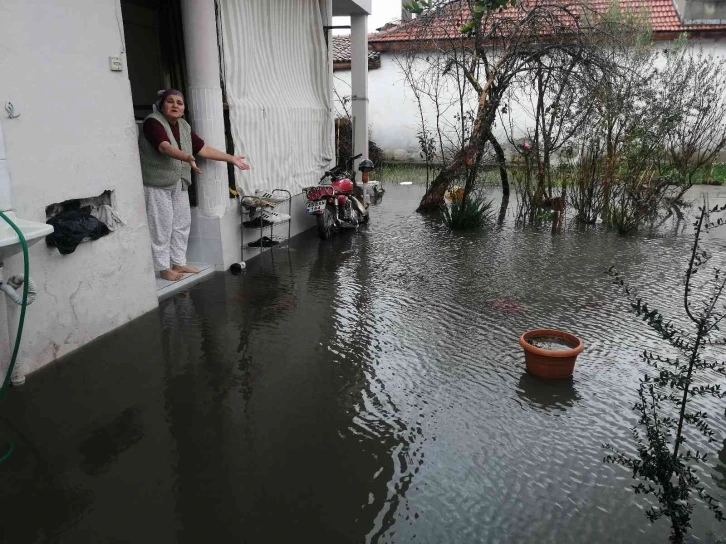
(416, 173)
(396, 173)
(712, 175)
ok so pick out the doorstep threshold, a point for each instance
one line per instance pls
(166, 288)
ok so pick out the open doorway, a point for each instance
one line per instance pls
(156, 60)
(154, 50)
(154, 54)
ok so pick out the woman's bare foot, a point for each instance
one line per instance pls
(184, 269)
(170, 275)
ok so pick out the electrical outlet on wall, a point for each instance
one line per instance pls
(115, 64)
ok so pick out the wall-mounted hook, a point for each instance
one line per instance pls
(10, 108)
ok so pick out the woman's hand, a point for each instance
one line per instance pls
(208, 152)
(239, 162)
(193, 163)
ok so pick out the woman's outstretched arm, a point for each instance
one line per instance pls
(208, 152)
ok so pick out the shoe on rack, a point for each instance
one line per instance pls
(256, 223)
(269, 195)
(252, 202)
(274, 217)
(265, 241)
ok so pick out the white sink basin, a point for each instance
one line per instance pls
(9, 241)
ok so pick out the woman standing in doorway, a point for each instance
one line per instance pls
(167, 145)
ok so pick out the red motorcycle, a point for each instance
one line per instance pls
(335, 202)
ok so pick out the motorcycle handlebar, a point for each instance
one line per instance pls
(337, 169)
(349, 164)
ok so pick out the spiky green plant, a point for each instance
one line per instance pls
(471, 212)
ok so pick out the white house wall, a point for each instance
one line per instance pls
(75, 138)
(394, 117)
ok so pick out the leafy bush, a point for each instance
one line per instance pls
(671, 418)
(344, 143)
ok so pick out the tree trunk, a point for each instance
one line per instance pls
(485, 116)
(503, 209)
(434, 197)
(502, 160)
(466, 161)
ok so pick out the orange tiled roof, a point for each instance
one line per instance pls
(664, 19)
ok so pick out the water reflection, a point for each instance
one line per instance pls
(503, 209)
(36, 499)
(109, 440)
(720, 467)
(346, 269)
(271, 411)
(364, 391)
(199, 385)
(547, 394)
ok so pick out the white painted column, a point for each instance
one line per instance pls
(359, 80)
(204, 100)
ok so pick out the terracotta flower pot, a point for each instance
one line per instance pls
(550, 364)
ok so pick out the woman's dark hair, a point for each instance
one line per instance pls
(164, 94)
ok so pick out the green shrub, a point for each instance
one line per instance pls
(470, 213)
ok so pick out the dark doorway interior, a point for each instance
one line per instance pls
(154, 53)
(156, 60)
(154, 49)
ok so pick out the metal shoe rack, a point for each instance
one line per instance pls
(271, 226)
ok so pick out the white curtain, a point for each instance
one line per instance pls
(276, 78)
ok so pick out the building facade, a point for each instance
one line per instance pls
(80, 75)
(396, 116)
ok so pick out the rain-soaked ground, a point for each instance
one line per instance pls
(369, 388)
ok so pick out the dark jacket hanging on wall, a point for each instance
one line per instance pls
(73, 227)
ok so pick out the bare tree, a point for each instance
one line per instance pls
(441, 93)
(343, 100)
(656, 124)
(504, 44)
(692, 83)
(552, 105)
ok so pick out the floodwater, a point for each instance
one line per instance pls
(366, 389)
(550, 343)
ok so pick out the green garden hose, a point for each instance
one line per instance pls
(13, 359)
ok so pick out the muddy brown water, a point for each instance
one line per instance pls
(366, 389)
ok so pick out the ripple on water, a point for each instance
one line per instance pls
(401, 342)
(508, 457)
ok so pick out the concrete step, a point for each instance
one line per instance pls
(165, 288)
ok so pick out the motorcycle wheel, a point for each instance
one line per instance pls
(326, 223)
